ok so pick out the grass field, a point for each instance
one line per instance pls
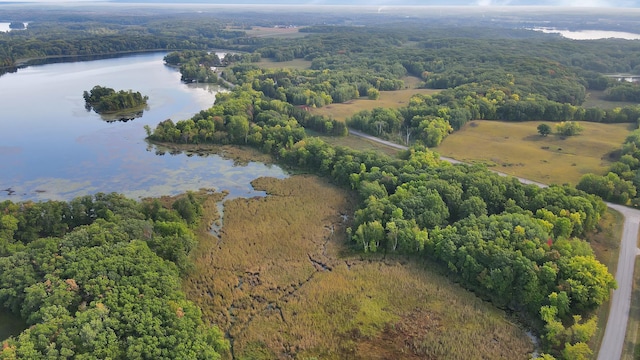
(356, 143)
(517, 149)
(275, 32)
(282, 283)
(391, 99)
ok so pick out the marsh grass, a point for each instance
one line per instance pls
(517, 149)
(282, 282)
(239, 154)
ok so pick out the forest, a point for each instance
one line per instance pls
(99, 277)
(516, 245)
(101, 274)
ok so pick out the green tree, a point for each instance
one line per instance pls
(544, 129)
(569, 128)
(577, 351)
(373, 93)
(238, 127)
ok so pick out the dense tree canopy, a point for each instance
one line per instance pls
(106, 100)
(98, 277)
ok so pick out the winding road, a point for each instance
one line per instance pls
(615, 331)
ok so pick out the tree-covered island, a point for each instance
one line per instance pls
(17, 25)
(104, 100)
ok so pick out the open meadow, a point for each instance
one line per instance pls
(516, 148)
(388, 99)
(282, 282)
(282, 32)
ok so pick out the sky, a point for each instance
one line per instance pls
(567, 3)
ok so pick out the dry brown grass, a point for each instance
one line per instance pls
(275, 32)
(239, 154)
(283, 285)
(517, 149)
(388, 99)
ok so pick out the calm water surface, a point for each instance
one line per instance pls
(52, 148)
(589, 34)
(4, 26)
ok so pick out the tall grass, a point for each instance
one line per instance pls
(282, 282)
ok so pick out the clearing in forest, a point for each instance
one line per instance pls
(282, 32)
(517, 149)
(388, 99)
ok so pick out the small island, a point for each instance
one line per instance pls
(106, 101)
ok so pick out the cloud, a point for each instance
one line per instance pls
(588, 3)
(493, 3)
(562, 3)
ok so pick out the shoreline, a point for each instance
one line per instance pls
(23, 62)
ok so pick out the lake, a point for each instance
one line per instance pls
(51, 147)
(4, 26)
(589, 34)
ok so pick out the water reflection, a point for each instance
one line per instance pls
(57, 150)
(589, 34)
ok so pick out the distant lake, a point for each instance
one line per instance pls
(589, 34)
(51, 147)
(4, 26)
